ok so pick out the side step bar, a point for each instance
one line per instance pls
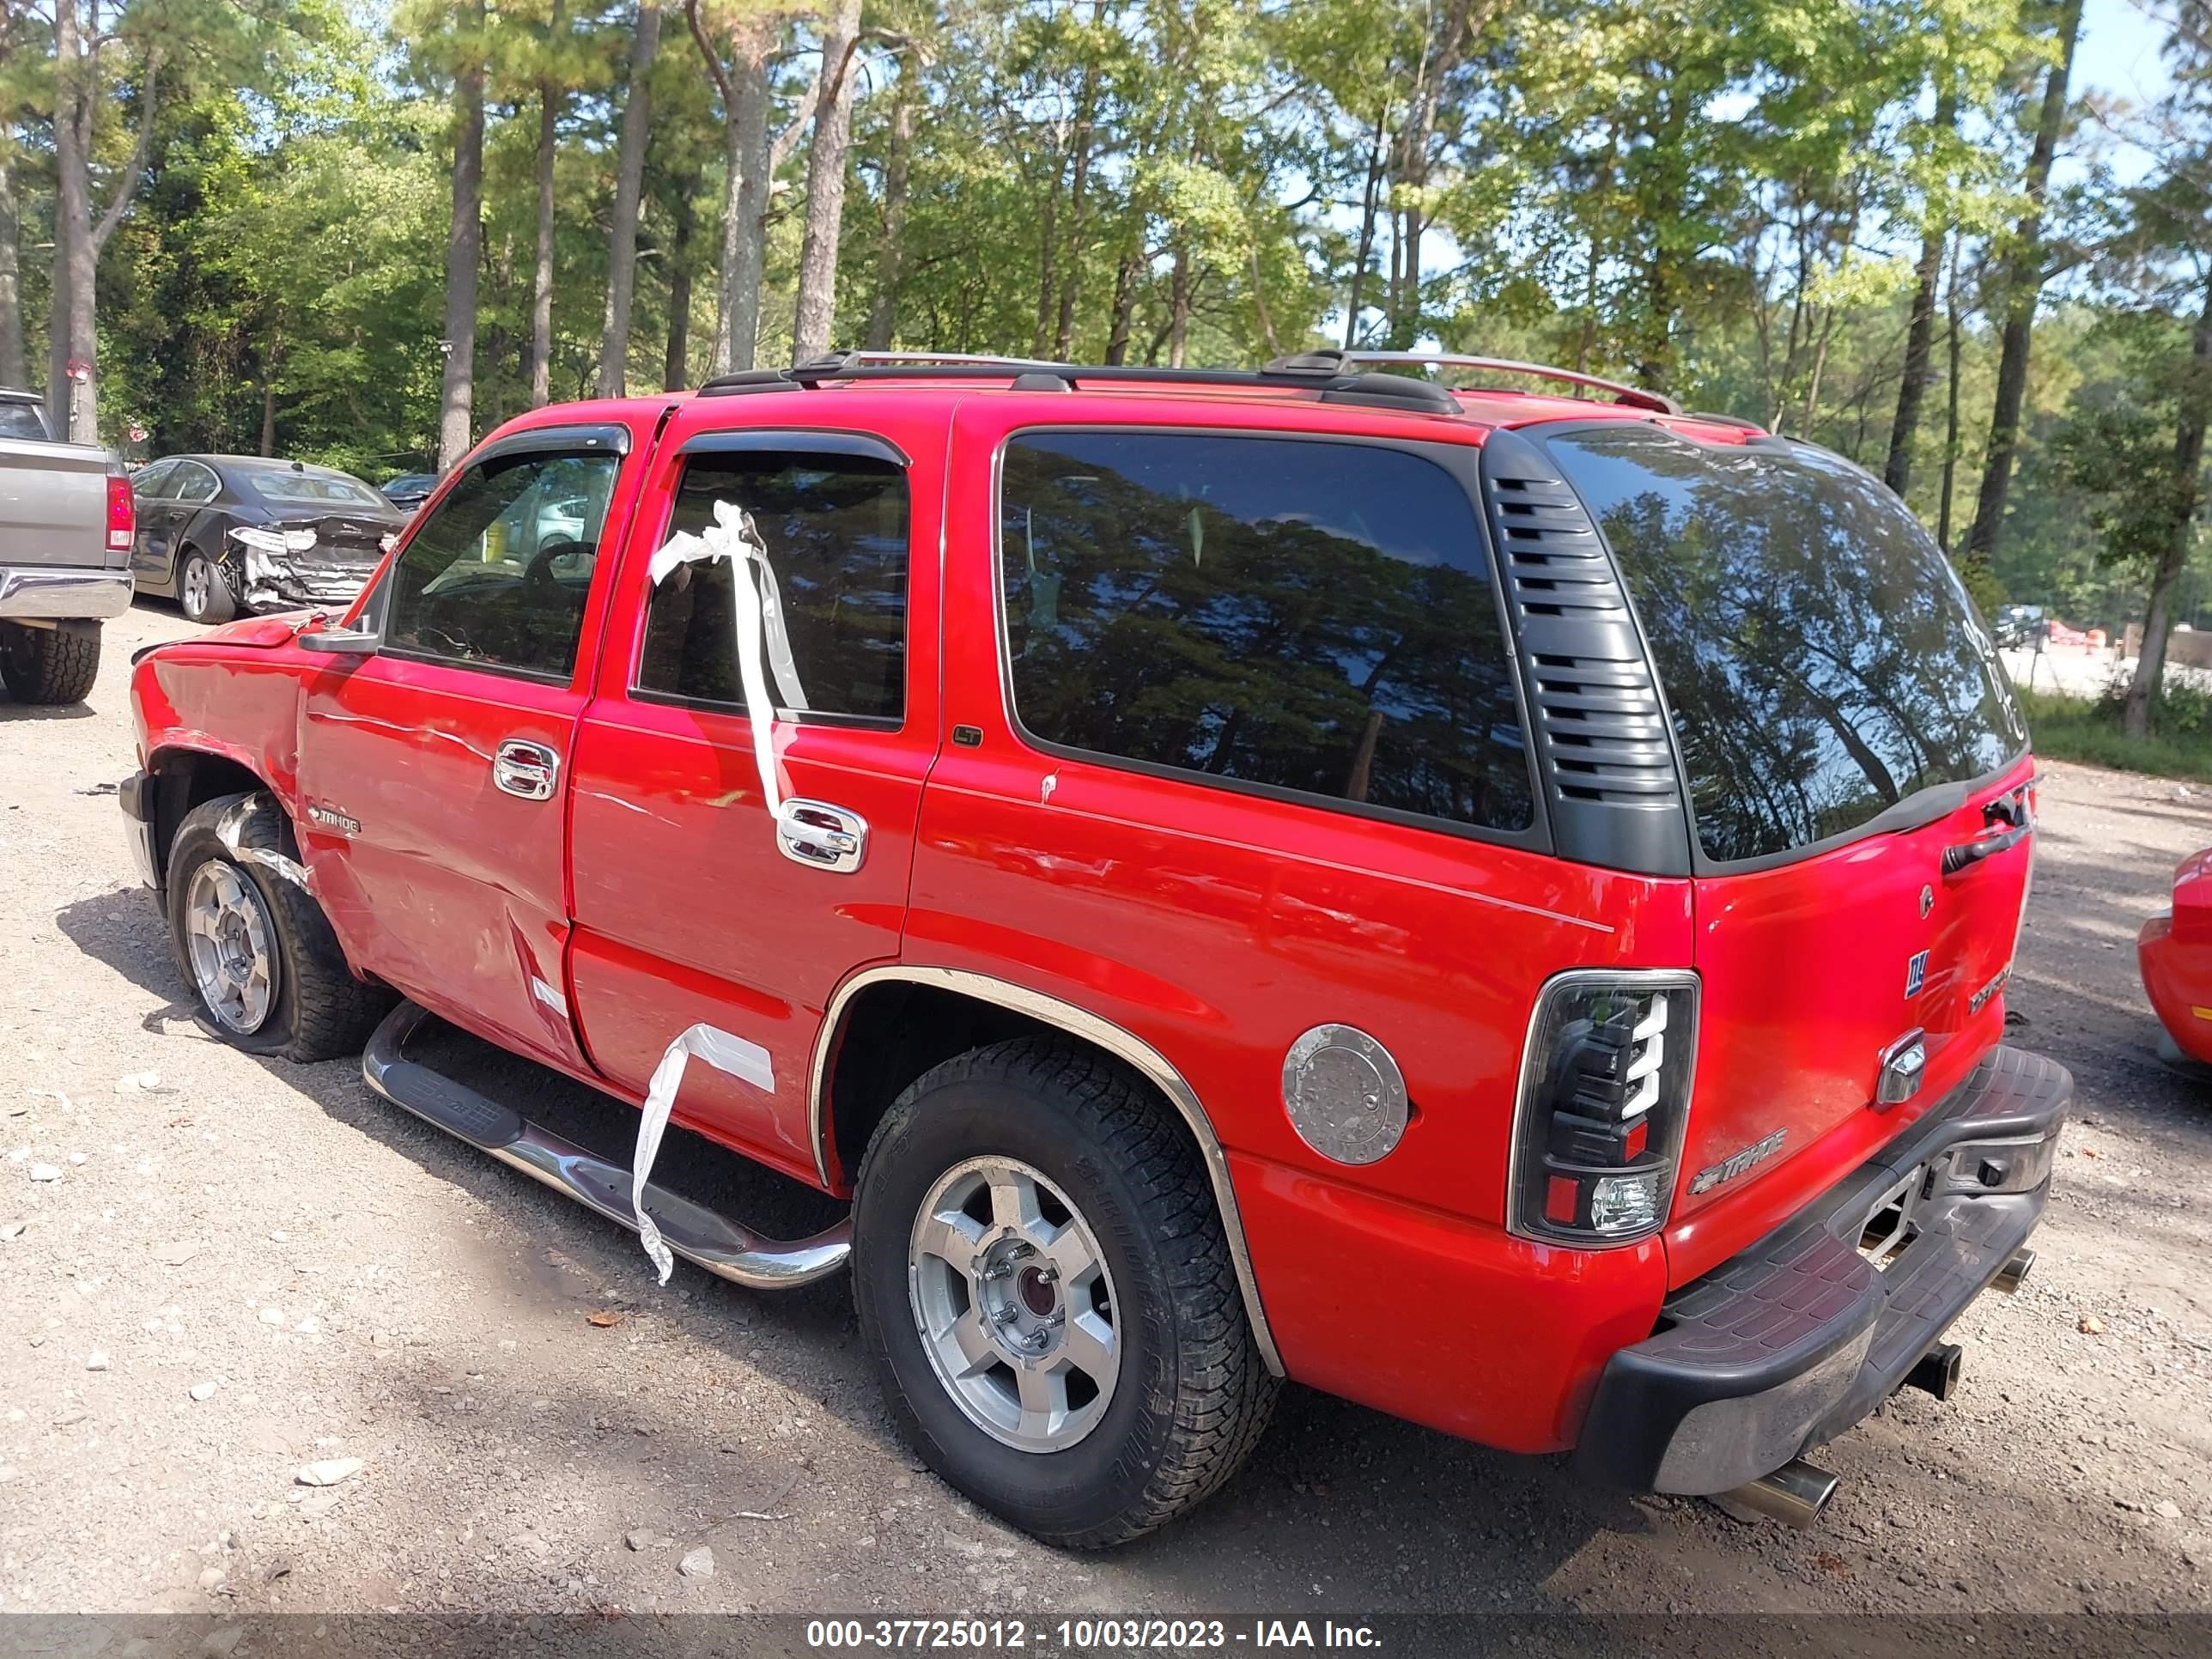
(697, 1234)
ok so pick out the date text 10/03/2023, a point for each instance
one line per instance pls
(1084, 1635)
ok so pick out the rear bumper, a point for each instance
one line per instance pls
(262, 585)
(1795, 1340)
(44, 593)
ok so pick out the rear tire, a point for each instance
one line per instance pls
(312, 1007)
(202, 593)
(50, 665)
(1186, 1395)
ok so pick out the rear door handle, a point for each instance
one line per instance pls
(821, 837)
(525, 769)
(1961, 855)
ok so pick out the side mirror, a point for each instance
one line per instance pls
(340, 641)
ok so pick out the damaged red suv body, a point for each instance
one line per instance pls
(1496, 906)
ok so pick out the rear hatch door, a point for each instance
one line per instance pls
(1857, 771)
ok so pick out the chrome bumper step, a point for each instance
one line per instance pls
(713, 1240)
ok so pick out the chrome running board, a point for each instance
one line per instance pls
(697, 1234)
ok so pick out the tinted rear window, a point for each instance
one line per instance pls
(23, 420)
(1820, 659)
(315, 489)
(1284, 614)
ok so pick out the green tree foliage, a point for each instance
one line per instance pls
(1803, 212)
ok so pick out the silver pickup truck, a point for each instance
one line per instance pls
(66, 519)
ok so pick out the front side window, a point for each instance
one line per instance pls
(497, 576)
(835, 529)
(1821, 662)
(1285, 614)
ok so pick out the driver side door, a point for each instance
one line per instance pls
(433, 774)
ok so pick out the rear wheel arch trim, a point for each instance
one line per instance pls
(1076, 1022)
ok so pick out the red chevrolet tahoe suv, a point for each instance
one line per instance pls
(1493, 905)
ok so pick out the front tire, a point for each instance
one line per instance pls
(1040, 1267)
(254, 944)
(202, 593)
(53, 665)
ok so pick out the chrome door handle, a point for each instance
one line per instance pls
(821, 837)
(525, 769)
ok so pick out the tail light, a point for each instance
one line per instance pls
(122, 514)
(1604, 1095)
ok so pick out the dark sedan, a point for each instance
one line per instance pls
(409, 489)
(223, 534)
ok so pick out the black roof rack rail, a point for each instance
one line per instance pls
(1319, 362)
(1339, 375)
(1336, 385)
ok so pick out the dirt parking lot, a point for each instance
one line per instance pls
(245, 1266)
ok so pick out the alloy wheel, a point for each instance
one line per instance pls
(192, 589)
(232, 945)
(1015, 1304)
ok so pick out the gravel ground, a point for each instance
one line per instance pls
(246, 1268)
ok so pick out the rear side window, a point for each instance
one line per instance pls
(836, 530)
(1820, 659)
(23, 421)
(1286, 614)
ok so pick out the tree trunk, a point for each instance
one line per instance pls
(1179, 286)
(463, 250)
(2144, 690)
(1440, 55)
(1125, 303)
(13, 369)
(2023, 286)
(1369, 203)
(1920, 334)
(1086, 132)
(675, 362)
(1955, 346)
(1919, 362)
(268, 410)
(883, 315)
(816, 316)
(629, 176)
(541, 278)
(757, 191)
(733, 184)
(57, 385)
(1047, 250)
(79, 237)
(69, 217)
(1828, 315)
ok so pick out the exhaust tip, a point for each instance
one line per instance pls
(2013, 1272)
(1793, 1494)
(1937, 1371)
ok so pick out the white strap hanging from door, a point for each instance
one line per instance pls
(757, 612)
